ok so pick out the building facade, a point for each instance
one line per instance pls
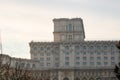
(70, 57)
(73, 57)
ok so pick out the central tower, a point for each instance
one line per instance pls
(68, 30)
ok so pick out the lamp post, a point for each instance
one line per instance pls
(117, 67)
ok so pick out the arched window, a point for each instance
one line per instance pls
(66, 78)
(41, 48)
(91, 79)
(77, 79)
(98, 78)
(55, 79)
(84, 78)
(33, 66)
(28, 65)
(22, 65)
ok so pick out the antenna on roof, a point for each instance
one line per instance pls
(0, 43)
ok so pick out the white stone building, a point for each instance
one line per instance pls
(73, 57)
(70, 57)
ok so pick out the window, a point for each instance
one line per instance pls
(112, 53)
(66, 58)
(98, 53)
(48, 64)
(35, 58)
(98, 47)
(57, 58)
(77, 63)
(69, 37)
(84, 58)
(84, 47)
(41, 59)
(77, 58)
(105, 53)
(35, 48)
(98, 58)
(112, 63)
(22, 65)
(112, 48)
(67, 47)
(77, 47)
(41, 64)
(105, 47)
(66, 63)
(69, 27)
(112, 58)
(98, 63)
(77, 53)
(91, 63)
(48, 48)
(67, 53)
(35, 54)
(105, 63)
(28, 65)
(48, 58)
(33, 66)
(48, 54)
(84, 63)
(84, 53)
(92, 58)
(41, 48)
(105, 58)
(91, 53)
(41, 54)
(56, 64)
(91, 47)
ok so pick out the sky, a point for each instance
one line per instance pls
(22, 21)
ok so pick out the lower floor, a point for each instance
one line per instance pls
(76, 74)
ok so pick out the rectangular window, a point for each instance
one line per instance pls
(67, 63)
(66, 58)
(105, 53)
(77, 63)
(98, 58)
(98, 53)
(41, 59)
(77, 58)
(67, 53)
(48, 58)
(84, 58)
(41, 54)
(84, 63)
(91, 58)
(48, 54)
(84, 53)
(105, 58)
(112, 63)
(98, 63)
(91, 63)
(77, 53)
(70, 37)
(112, 58)
(41, 64)
(48, 64)
(105, 63)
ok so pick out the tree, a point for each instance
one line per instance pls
(14, 73)
(117, 67)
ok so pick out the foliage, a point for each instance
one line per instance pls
(17, 73)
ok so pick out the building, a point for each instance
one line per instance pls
(70, 57)
(73, 57)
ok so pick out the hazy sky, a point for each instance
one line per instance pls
(22, 21)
